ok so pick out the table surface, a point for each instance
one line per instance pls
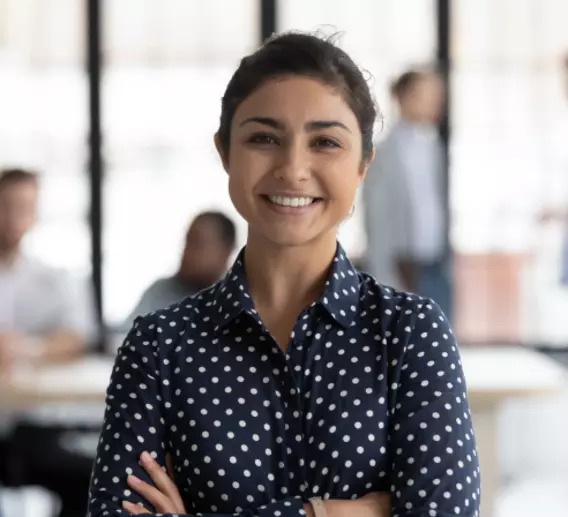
(504, 372)
(492, 374)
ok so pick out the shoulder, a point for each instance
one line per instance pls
(402, 313)
(159, 285)
(381, 296)
(43, 276)
(33, 266)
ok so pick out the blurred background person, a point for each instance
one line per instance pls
(209, 244)
(560, 215)
(44, 318)
(404, 194)
(114, 213)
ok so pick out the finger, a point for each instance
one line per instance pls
(160, 478)
(178, 501)
(170, 467)
(162, 481)
(134, 509)
(161, 502)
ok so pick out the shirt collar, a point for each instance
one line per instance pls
(19, 264)
(421, 131)
(340, 298)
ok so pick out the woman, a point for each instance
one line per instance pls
(295, 377)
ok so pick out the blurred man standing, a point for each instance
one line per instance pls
(404, 194)
(562, 215)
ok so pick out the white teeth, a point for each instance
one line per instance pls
(291, 201)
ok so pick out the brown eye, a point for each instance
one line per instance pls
(262, 139)
(325, 143)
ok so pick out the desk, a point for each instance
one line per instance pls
(84, 380)
(528, 373)
(493, 375)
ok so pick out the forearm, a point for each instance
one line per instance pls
(59, 346)
(290, 507)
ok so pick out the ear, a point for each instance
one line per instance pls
(221, 153)
(365, 166)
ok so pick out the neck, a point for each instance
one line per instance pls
(412, 119)
(195, 283)
(9, 255)
(282, 278)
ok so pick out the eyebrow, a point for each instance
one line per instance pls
(313, 125)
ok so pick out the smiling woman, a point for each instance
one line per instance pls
(296, 385)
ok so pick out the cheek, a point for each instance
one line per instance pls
(245, 171)
(341, 178)
(241, 183)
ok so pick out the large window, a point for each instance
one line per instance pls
(509, 161)
(43, 120)
(166, 66)
(384, 37)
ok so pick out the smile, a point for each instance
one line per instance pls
(291, 205)
(291, 201)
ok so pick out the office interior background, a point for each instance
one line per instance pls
(115, 103)
(124, 140)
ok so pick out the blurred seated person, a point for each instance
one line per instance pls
(45, 317)
(209, 243)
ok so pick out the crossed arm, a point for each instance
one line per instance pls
(437, 474)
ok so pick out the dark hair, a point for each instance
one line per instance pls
(226, 227)
(301, 55)
(16, 175)
(406, 81)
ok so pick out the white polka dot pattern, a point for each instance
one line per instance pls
(369, 396)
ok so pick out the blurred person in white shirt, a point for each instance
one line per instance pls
(45, 317)
(405, 214)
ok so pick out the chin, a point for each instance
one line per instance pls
(293, 238)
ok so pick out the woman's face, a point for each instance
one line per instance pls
(295, 161)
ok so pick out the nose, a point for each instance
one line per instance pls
(295, 164)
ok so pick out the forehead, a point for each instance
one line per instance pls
(19, 190)
(296, 99)
(429, 82)
(203, 225)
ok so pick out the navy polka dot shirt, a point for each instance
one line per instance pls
(369, 396)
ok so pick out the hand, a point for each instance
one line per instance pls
(549, 216)
(375, 504)
(11, 346)
(546, 217)
(163, 496)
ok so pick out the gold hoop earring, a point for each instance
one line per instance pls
(351, 212)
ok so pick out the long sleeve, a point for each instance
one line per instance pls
(387, 214)
(134, 422)
(435, 470)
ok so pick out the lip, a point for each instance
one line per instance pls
(291, 194)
